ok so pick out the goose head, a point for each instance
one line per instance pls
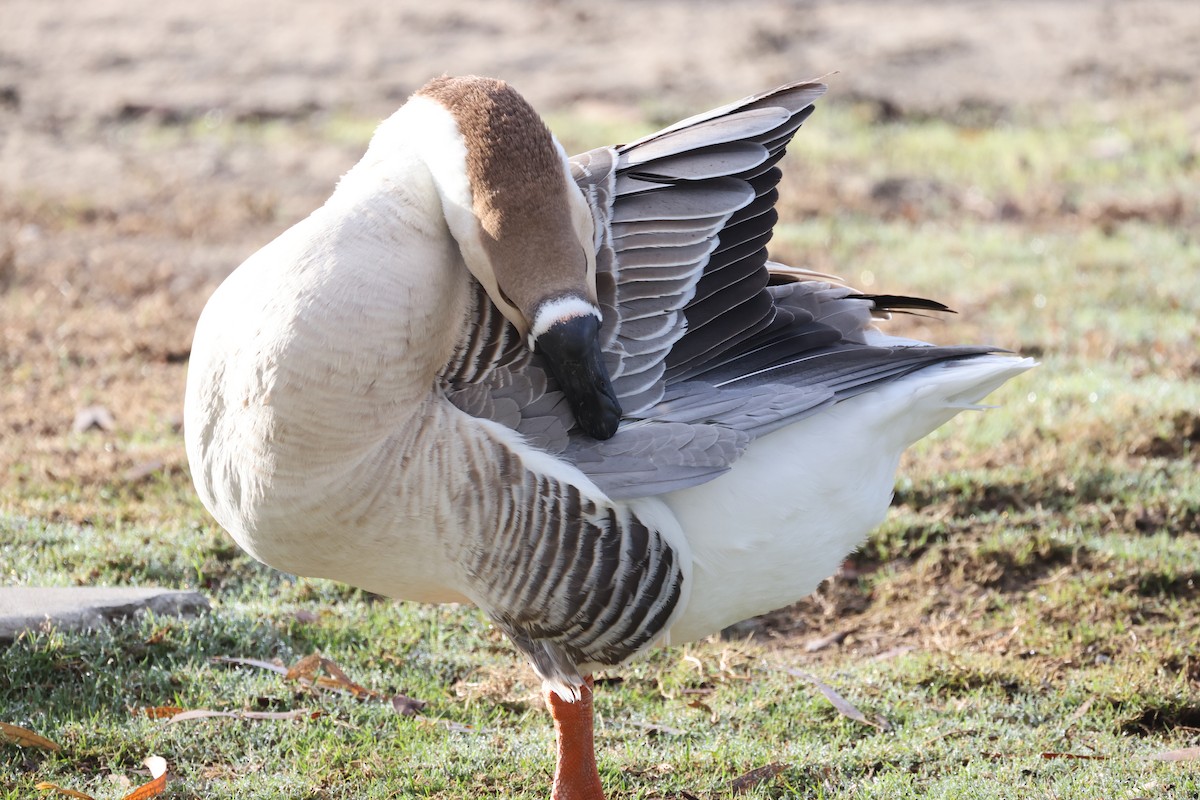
(524, 229)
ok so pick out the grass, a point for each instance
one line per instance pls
(1035, 594)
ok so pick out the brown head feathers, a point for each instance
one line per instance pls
(519, 189)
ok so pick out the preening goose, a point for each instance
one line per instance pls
(572, 391)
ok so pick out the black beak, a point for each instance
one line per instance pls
(571, 349)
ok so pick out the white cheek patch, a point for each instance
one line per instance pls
(558, 310)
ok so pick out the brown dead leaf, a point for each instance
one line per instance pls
(26, 738)
(304, 668)
(843, 706)
(305, 672)
(744, 783)
(45, 786)
(654, 729)
(159, 635)
(157, 712)
(158, 780)
(407, 706)
(1186, 754)
(822, 642)
(340, 680)
(158, 783)
(713, 717)
(1076, 756)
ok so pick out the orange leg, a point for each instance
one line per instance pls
(575, 775)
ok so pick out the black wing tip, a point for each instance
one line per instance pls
(902, 303)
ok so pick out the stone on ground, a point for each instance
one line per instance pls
(82, 607)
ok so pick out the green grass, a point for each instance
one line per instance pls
(1040, 573)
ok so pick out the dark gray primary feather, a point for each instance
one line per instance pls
(705, 354)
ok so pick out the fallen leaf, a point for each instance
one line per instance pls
(305, 671)
(451, 725)
(157, 712)
(340, 680)
(26, 738)
(159, 635)
(654, 729)
(1076, 756)
(843, 706)
(304, 668)
(299, 713)
(142, 471)
(1187, 754)
(1078, 713)
(204, 713)
(251, 662)
(54, 787)
(158, 783)
(407, 706)
(97, 417)
(744, 783)
(712, 715)
(821, 642)
(894, 652)
(200, 713)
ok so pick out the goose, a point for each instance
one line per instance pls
(572, 391)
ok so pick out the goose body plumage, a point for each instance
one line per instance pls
(371, 400)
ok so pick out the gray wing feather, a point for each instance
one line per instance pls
(651, 459)
(627, 184)
(685, 227)
(647, 238)
(720, 196)
(704, 353)
(714, 161)
(718, 130)
(652, 288)
(795, 98)
(635, 259)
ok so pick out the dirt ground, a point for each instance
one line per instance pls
(118, 216)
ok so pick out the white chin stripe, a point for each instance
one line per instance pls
(555, 311)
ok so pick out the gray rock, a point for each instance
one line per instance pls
(81, 607)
